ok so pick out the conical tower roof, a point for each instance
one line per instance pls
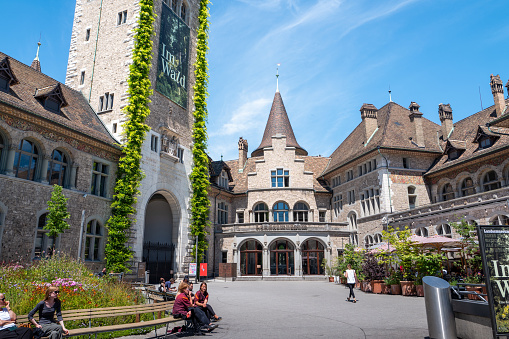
(278, 123)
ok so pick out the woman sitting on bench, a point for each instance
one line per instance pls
(201, 300)
(47, 309)
(182, 308)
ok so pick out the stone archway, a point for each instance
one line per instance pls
(160, 236)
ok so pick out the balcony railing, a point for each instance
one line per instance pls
(482, 198)
(282, 227)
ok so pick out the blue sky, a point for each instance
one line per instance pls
(334, 56)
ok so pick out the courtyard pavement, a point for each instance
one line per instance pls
(310, 309)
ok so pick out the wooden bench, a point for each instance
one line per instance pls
(157, 296)
(157, 309)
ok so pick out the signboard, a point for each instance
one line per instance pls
(192, 269)
(203, 269)
(494, 244)
(142, 267)
(173, 60)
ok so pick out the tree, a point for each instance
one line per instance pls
(199, 176)
(129, 173)
(470, 259)
(57, 207)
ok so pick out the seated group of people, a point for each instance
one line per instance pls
(188, 306)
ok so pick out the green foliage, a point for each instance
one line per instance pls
(405, 249)
(57, 207)
(199, 176)
(428, 264)
(129, 174)
(471, 262)
(352, 257)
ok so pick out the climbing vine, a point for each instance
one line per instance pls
(129, 173)
(199, 175)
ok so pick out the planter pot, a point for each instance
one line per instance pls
(367, 286)
(476, 289)
(407, 288)
(343, 280)
(419, 289)
(376, 286)
(358, 284)
(386, 289)
(396, 289)
(331, 279)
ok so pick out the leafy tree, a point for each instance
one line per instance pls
(57, 207)
(405, 249)
(129, 174)
(470, 259)
(352, 257)
(199, 176)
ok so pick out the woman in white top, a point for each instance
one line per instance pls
(8, 329)
(350, 281)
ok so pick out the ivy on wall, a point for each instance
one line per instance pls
(129, 173)
(199, 175)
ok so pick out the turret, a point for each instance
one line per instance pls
(415, 117)
(497, 89)
(445, 113)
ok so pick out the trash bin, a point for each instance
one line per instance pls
(437, 297)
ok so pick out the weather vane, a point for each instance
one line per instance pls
(277, 77)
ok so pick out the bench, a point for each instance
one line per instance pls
(157, 309)
(157, 296)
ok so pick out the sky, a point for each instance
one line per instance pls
(334, 56)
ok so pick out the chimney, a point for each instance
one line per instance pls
(507, 86)
(369, 114)
(415, 117)
(497, 89)
(445, 113)
(242, 153)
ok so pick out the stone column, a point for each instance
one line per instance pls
(290, 215)
(10, 160)
(44, 169)
(72, 183)
(298, 261)
(271, 215)
(266, 261)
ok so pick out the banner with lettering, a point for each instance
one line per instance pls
(173, 59)
(494, 244)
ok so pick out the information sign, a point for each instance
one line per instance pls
(203, 269)
(192, 269)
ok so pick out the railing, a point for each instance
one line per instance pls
(460, 290)
(282, 226)
(453, 204)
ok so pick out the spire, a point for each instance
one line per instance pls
(278, 123)
(36, 64)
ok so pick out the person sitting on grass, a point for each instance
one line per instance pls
(8, 329)
(47, 309)
(182, 308)
(201, 300)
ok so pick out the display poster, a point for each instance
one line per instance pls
(192, 269)
(203, 269)
(172, 64)
(494, 244)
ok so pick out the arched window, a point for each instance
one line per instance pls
(447, 192)
(312, 257)
(467, 187)
(490, 181)
(354, 239)
(368, 241)
(282, 258)
(57, 169)
(352, 220)
(422, 231)
(94, 240)
(25, 161)
(261, 213)
(251, 262)
(44, 244)
(412, 197)
(183, 10)
(444, 230)
(280, 212)
(174, 5)
(500, 220)
(300, 212)
(378, 238)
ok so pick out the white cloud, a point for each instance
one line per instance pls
(246, 117)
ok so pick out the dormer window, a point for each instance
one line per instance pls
(4, 84)
(485, 142)
(52, 105)
(223, 179)
(7, 77)
(453, 154)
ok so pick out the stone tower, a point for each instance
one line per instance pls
(100, 54)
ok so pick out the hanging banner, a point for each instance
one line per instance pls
(173, 60)
(203, 269)
(192, 269)
(494, 245)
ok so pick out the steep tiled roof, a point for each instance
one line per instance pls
(317, 165)
(240, 179)
(77, 115)
(395, 130)
(467, 131)
(278, 123)
(216, 167)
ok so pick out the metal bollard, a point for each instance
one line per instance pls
(437, 297)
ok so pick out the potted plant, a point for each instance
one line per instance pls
(394, 282)
(427, 264)
(375, 272)
(473, 279)
(419, 289)
(355, 259)
(386, 286)
(328, 270)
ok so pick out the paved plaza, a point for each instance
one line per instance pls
(312, 309)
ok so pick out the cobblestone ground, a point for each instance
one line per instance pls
(310, 309)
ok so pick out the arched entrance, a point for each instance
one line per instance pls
(160, 237)
(251, 260)
(282, 257)
(312, 257)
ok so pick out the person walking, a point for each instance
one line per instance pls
(351, 277)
